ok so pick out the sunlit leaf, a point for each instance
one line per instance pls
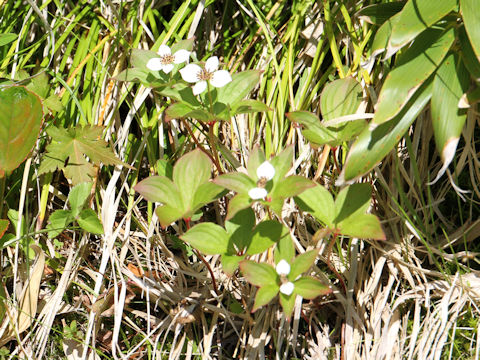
(288, 303)
(302, 263)
(209, 238)
(310, 288)
(88, 221)
(258, 274)
(377, 14)
(471, 19)
(264, 295)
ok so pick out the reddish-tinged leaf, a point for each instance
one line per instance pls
(237, 182)
(20, 121)
(159, 189)
(258, 274)
(310, 288)
(264, 295)
(3, 226)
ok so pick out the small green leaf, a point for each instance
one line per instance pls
(230, 263)
(413, 68)
(239, 228)
(340, 97)
(237, 203)
(7, 38)
(209, 238)
(264, 235)
(160, 189)
(77, 197)
(291, 186)
(281, 163)
(179, 110)
(366, 226)
(471, 19)
(58, 221)
(3, 226)
(382, 37)
(206, 193)
(258, 274)
(264, 295)
(310, 288)
(241, 85)
(250, 106)
(168, 214)
(255, 158)
(285, 249)
(238, 182)
(288, 303)
(88, 221)
(302, 263)
(319, 202)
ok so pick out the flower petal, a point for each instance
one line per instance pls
(212, 64)
(287, 288)
(190, 73)
(266, 170)
(167, 68)
(283, 268)
(199, 87)
(181, 56)
(164, 50)
(257, 193)
(155, 64)
(220, 78)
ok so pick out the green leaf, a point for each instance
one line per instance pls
(206, 193)
(209, 238)
(372, 146)
(340, 97)
(133, 74)
(319, 202)
(20, 121)
(415, 17)
(258, 274)
(291, 186)
(239, 228)
(288, 303)
(191, 171)
(238, 182)
(88, 221)
(411, 71)
(264, 235)
(469, 58)
(179, 110)
(285, 249)
(382, 37)
(255, 158)
(450, 83)
(3, 226)
(140, 57)
(77, 197)
(250, 106)
(7, 38)
(230, 263)
(366, 226)
(264, 295)
(281, 163)
(237, 203)
(471, 19)
(69, 150)
(58, 221)
(160, 189)
(302, 263)
(241, 85)
(377, 14)
(310, 288)
(168, 214)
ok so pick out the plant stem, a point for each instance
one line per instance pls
(329, 263)
(2, 190)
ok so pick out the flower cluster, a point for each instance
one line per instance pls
(191, 73)
(283, 269)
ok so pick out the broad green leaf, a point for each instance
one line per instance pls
(264, 235)
(372, 146)
(291, 186)
(285, 249)
(7, 38)
(288, 303)
(191, 171)
(133, 74)
(302, 263)
(167, 214)
(258, 274)
(377, 14)
(250, 106)
(230, 263)
(255, 158)
(77, 197)
(20, 121)
(3, 226)
(281, 163)
(160, 189)
(471, 19)
(310, 288)
(319, 202)
(450, 83)
(88, 221)
(340, 97)
(179, 110)
(264, 295)
(69, 149)
(237, 203)
(415, 17)
(186, 44)
(241, 85)
(366, 226)
(141, 57)
(239, 228)
(209, 238)
(206, 193)
(58, 221)
(469, 58)
(382, 37)
(411, 71)
(238, 182)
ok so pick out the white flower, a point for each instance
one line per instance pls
(166, 60)
(193, 73)
(283, 268)
(257, 193)
(266, 170)
(287, 288)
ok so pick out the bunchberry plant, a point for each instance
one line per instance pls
(202, 76)
(166, 61)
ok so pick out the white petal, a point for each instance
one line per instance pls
(212, 64)
(266, 170)
(199, 87)
(283, 268)
(287, 288)
(257, 193)
(167, 68)
(154, 64)
(190, 73)
(220, 78)
(164, 50)
(181, 56)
